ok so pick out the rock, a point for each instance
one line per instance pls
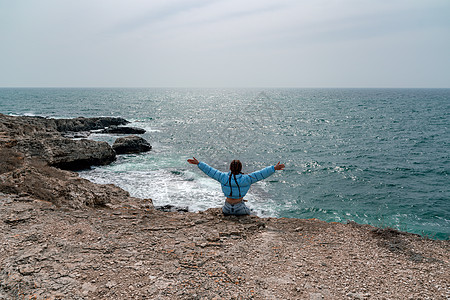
(68, 154)
(10, 159)
(212, 237)
(86, 124)
(172, 208)
(123, 130)
(355, 295)
(62, 188)
(36, 137)
(14, 219)
(315, 296)
(111, 284)
(26, 269)
(131, 144)
(86, 288)
(26, 125)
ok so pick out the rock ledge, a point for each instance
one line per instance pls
(63, 237)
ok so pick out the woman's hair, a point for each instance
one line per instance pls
(235, 168)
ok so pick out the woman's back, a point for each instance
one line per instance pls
(235, 184)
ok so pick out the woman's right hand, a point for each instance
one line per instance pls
(193, 161)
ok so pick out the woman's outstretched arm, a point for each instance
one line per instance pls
(264, 173)
(210, 171)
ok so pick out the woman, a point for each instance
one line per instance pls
(235, 184)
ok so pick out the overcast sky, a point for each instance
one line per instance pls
(225, 43)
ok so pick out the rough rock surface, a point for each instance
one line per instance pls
(133, 253)
(86, 124)
(123, 130)
(66, 153)
(41, 138)
(131, 144)
(34, 178)
(19, 126)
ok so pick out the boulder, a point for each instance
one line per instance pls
(86, 124)
(123, 130)
(16, 127)
(66, 153)
(31, 148)
(172, 208)
(131, 144)
(25, 125)
(62, 188)
(42, 138)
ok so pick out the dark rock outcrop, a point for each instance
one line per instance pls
(19, 127)
(68, 154)
(131, 144)
(37, 137)
(172, 208)
(26, 125)
(123, 130)
(86, 124)
(32, 147)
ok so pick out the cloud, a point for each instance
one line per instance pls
(224, 42)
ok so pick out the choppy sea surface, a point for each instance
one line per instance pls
(374, 156)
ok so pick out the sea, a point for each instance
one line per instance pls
(372, 156)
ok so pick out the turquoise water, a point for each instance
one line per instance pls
(376, 156)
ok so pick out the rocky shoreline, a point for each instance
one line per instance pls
(64, 237)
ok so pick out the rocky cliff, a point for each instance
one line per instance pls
(35, 158)
(63, 237)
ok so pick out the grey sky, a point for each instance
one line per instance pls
(225, 43)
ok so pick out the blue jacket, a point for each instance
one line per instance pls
(243, 180)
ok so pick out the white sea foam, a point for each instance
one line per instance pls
(181, 188)
(144, 125)
(162, 186)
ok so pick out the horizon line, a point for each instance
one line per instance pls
(205, 87)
